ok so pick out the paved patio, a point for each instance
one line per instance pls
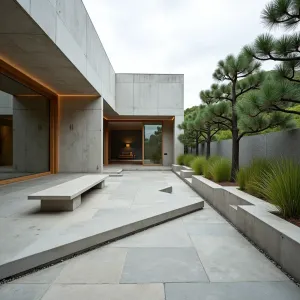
(198, 256)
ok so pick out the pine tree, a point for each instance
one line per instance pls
(231, 71)
(284, 88)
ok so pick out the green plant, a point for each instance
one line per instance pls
(188, 158)
(180, 159)
(258, 169)
(207, 167)
(280, 186)
(220, 170)
(242, 178)
(198, 165)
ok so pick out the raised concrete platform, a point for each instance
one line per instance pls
(128, 204)
(186, 173)
(113, 172)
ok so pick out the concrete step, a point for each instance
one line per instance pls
(106, 227)
(116, 175)
(112, 171)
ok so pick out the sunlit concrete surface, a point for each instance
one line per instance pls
(125, 205)
(197, 256)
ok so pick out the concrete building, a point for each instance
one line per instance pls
(62, 106)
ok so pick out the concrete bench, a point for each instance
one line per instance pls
(67, 196)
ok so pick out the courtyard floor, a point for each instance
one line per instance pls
(195, 257)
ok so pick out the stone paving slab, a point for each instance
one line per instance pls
(107, 292)
(145, 265)
(23, 291)
(103, 265)
(232, 291)
(237, 261)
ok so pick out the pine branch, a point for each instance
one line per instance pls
(277, 108)
(271, 57)
(247, 90)
(223, 124)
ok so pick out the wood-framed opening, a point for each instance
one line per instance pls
(17, 75)
(143, 121)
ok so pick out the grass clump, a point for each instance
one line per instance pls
(188, 158)
(242, 178)
(253, 175)
(220, 170)
(180, 159)
(207, 167)
(280, 186)
(198, 165)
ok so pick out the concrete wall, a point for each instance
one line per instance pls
(81, 140)
(178, 147)
(69, 26)
(168, 143)
(6, 104)
(272, 145)
(31, 134)
(150, 94)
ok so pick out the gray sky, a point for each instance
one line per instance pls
(176, 36)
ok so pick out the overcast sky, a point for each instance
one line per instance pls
(175, 36)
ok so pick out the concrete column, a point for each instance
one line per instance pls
(81, 141)
(168, 143)
(31, 134)
(102, 136)
(178, 147)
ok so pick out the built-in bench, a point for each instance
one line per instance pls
(67, 196)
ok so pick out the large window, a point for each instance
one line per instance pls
(24, 130)
(153, 144)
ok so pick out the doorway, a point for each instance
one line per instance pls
(133, 142)
(152, 141)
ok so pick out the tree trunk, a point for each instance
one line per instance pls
(208, 148)
(197, 146)
(208, 142)
(186, 149)
(235, 155)
(235, 137)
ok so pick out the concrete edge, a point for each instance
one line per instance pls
(255, 219)
(24, 265)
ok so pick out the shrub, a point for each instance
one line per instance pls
(220, 170)
(180, 159)
(198, 165)
(280, 186)
(258, 169)
(188, 158)
(207, 167)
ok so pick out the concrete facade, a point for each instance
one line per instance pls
(55, 44)
(150, 94)
(271, 145)
(81, 135)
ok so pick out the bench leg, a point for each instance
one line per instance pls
(60, 205)
(100, 185)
